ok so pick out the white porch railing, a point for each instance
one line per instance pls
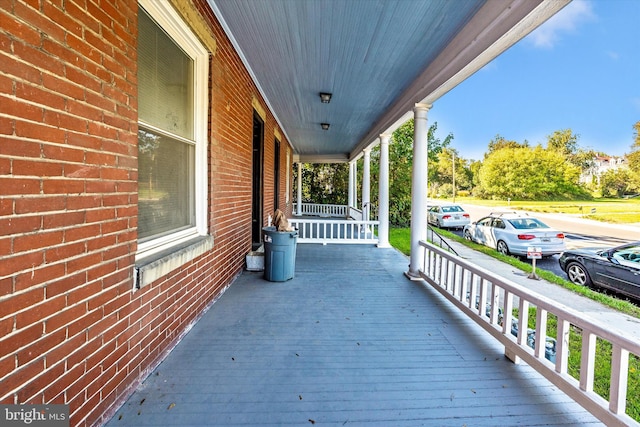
(490, 299)
(352, 229)
(337, 211)
(317, 230)
(315, 209)
(355, 213)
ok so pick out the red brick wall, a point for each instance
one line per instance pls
(71, 328)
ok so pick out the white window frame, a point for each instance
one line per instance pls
(169, 20)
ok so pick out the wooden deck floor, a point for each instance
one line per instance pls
(348, 341)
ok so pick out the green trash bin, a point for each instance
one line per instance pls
(279, 254)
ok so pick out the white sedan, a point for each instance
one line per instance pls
(448, 216)
(512, 233)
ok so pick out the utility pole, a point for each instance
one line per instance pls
(453, 166)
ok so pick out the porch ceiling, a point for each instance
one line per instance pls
(377, 58)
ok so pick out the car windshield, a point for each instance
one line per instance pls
(629, 253)
(449, 209)
(527, 223)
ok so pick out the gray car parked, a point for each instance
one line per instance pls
(617, 269)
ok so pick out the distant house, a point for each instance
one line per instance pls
(600, 165)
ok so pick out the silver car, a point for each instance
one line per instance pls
(514, 233)
(448, 216)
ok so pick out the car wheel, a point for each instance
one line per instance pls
(467, 235)
(503, 248)
(578, 274)
(438, 223)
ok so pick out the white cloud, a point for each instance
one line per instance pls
(565, 21)
(613, 55)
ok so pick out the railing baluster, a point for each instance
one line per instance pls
(464, 283)
(482, 301)
(445, 274)
(454, 280)
(495, 303)
(523, 321)
(541, 332)
(619, 378)
(587, 361)
(562, 345)
(473, 289)
(507, 312)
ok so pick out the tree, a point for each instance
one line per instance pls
(400, 161)
(474, 169)
(617, 183)
(529, 173)
(634, 157)
(564, 142)
(442, 182)
(325, 183)
(500, 142)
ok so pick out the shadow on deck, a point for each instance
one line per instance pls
(348, 341)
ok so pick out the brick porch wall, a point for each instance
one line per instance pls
(71, 329)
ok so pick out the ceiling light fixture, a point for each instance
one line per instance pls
(325, 97)
(325, 126)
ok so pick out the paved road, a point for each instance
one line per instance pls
(579, 232)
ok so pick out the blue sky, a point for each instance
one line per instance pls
(580, 70)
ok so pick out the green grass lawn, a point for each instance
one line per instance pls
(400, 238)
(622, 211)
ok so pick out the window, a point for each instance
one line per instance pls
(172, 136)
(485, 222)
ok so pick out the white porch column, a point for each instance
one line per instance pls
(366, 184)
(299, 202)
(419, 187)
(353, 184)
(383, 193)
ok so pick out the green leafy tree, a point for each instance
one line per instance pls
(617, 183)
(326, 183)
(400, 171)
(442, 182)
(565, 142)
(633, 158)
(500, 142)
(529, 173)
(474, 170)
